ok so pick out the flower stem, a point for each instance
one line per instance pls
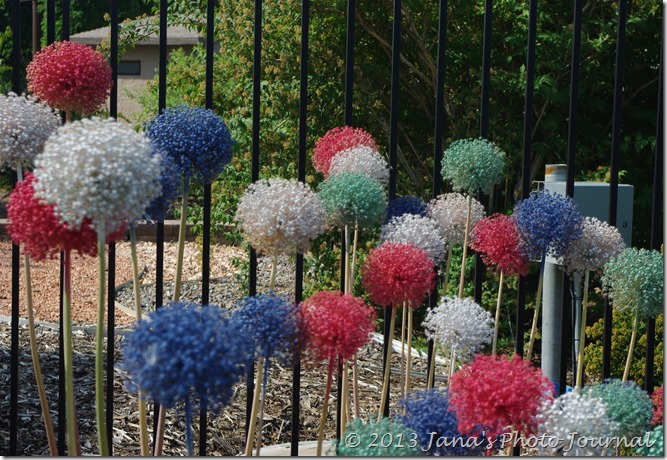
(631, 348)
(255, 408)
(73, 441)
(445, 282)
(387, 365)
(99, 364)
(188, 427)
(346, 287)
(181, 242)
(354, 256)
(538, 301)
(497, 319)
(344, 399)
(404, 319)
(159, 431)
(582, 336)
(409, 354)
(274, 267)
(465, 248)
(262, 402)
(325, 407)
(355, 385)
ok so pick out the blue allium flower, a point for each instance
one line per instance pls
(170, 178)
(627, 405)
(405, 205)
(385, 438)
(197, 139)
(473, 165)
(270, 320)
(429, 414)
(548, 223)
(185, 351)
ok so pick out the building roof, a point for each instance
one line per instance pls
(177, 35)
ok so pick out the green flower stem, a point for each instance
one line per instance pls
(143, 415)
(274, 267)
(346, 278)
(387, 366)
(355, 386)
(631, 349)
(465, 248)
(262, 402)
(452, 361)
(181, 242)
(255, 407)
(99, 364)
(409, 360)
(354, 256)
(582, 336)
(497, 319)
(538, 301)
(344, 399)
(325, 407)
(73, 442)
(404, 319)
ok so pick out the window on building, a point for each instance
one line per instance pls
(129, 68)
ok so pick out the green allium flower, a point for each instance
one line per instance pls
(473, 164)
(380, 439)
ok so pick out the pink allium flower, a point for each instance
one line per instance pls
(35, 225)
(497, 395)
(336, 140)
(658, 406)
(395, 272)
(335, 326)
(70, 76)
(497, 239)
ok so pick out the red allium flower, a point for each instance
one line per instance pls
(70, 76)
(336, 140)
(34, 224)
(658, 406)
(395, 272)
(497, 239)
(497, 394)
(335, 326)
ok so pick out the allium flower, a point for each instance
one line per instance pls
(473, 165)
(379, 439)
(429, 414)
(335, 326)
(271, 322)
(34, 224)
(450, 211)
(362, 159)
(653, 443)
(405, 205)
(170, 179)
(548, 223)
(336, 140)
(280, 216)
(197, 140)
(598, 243)
(420, 231)
(635, 282)
(350, 198)
(658, 405)
(184, 351)
(394, 273)
(496, 394)
(70, 76)
(100, 169)
(575, 415)
(627, 405)
(497, 239)
(459, 324)
(25, 125)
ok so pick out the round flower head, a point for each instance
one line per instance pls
(170, 179)
(270, 321)
(351, 197)
(653, 444)
(363, 159)
(634, 281)
(658, 405)
(459, 324)
(497, 239)
(497, 394)
(394, 273)
(280, 216)
(627, 405)
(100, 169)
(473, 165)
(70, 76)
(379, 439)
(405, 205)
(34, 224)
(598, 243)
(450, 211)
(25, 125)
(420, 231)
(184, 351)
(430, 415)
(335, 326)
(548, 223)
(571, 416)
(196, 139)
(336, 140)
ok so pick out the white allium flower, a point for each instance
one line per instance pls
(100, 169)
(450, 211)
(598, 243)
(25, 125)
(362, 159)
(574, 421)
(459, 324)
(418, 230)
(280, 216)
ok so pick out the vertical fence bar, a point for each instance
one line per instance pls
(50, 21)
(615, 160)
(440, 121)
(527, 156)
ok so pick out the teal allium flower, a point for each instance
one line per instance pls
(379, 439)
(351, 197)
(450, 211)
(473, 165)
(627, 405)
(653, 443)
(634, 281)
(598, 243)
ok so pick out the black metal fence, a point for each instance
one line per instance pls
(392, 146)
